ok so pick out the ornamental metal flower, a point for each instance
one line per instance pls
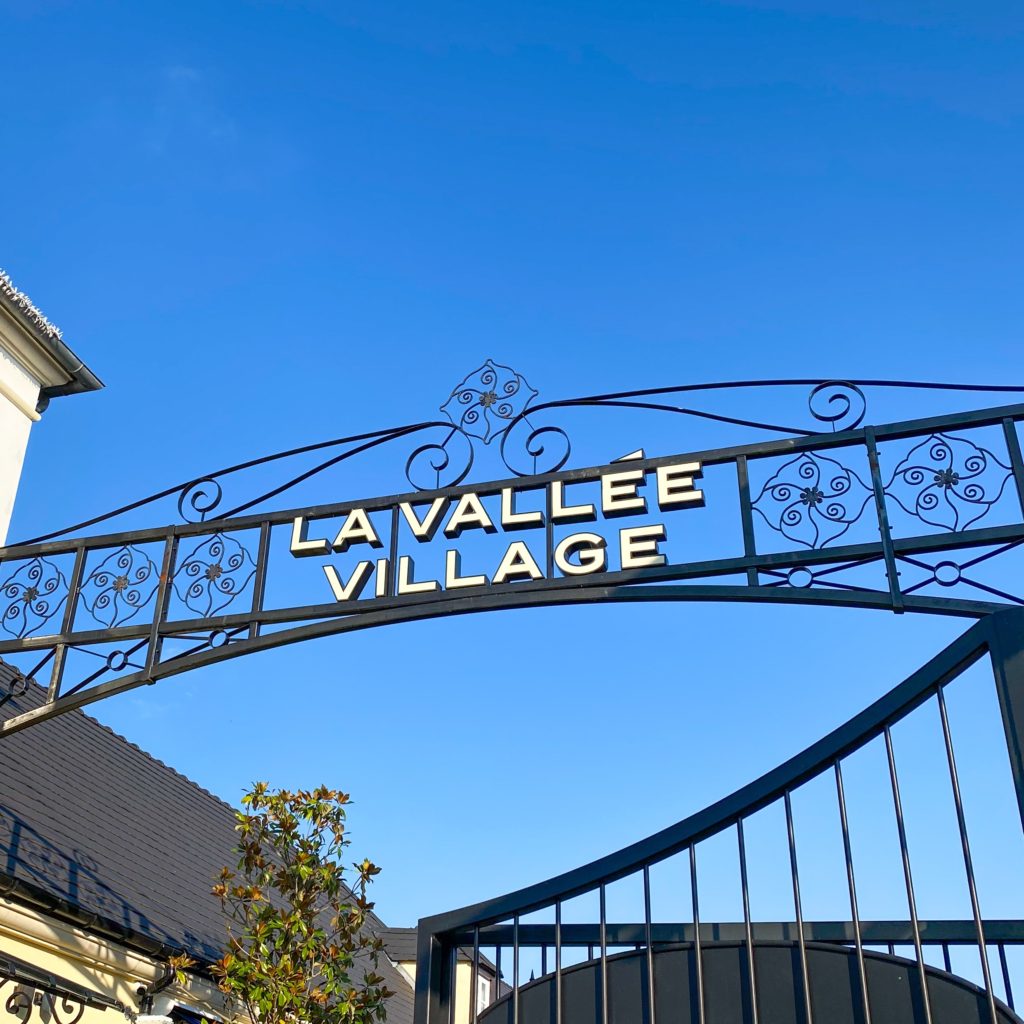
(812, 500)
(30, 596)
(948, 481)
(488, 400)
(216, 572)
(120, 586)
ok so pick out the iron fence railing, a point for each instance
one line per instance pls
(499, 924)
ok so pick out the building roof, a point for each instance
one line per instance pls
(401, 946)
(100, 833)
(77, 377)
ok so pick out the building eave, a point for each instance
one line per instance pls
(68, 373)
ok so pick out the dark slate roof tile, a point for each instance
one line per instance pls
(92, 823)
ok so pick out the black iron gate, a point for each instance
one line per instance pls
(649, 971)
(920, 515)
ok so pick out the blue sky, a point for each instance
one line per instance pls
(264, 224)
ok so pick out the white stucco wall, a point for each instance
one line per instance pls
(19, 392)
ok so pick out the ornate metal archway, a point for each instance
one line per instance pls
(919, 515)
(907, 516)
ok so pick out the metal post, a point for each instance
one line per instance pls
(744, 885)
(968, 863)
(474, 975)
(1016, 462)
(259, 583)
(854, 911)
(746, 516)
(1006, 646)
(604, 957)
(883, 521)
(74, 584)
(431, 1006)
(515, 969)
(647, 939)
(696, 935)
(558, 963)
(908, 878)
(808, 1013)
(163, 597)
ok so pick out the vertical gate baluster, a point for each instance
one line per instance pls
(515, 969)
(907, 876)
(650, 947)
(854, 911)
(604, 956)
(966, 847)
(1007, 987)
(558, 962)
(474, 974)
(751, 973)
(696, 935)
(809, 1016)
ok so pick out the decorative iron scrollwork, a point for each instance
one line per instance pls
(198, 499)
(214, 574)
(488, 401)
(433, 465)
(24, 999)
(16, 686)
(120, 586)
(839, 403)
(32, 595)
(548, 448)
(948, 481)
(812, 500)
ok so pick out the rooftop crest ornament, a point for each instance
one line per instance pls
(488, 401)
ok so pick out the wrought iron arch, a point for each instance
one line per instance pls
(928, 505)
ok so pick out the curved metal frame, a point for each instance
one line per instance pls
(487, 923)
(939, 475)
(121, 596)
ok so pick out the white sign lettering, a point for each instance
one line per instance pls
(623, 492)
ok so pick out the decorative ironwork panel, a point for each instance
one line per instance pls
(152, 603)
(216, 572)
(31, 595)
(123, 584)
(948, 481)
(813, 500)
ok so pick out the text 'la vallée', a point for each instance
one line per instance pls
(578, 554)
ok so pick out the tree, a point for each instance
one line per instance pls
(298, 948)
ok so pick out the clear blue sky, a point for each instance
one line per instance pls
(264, 224)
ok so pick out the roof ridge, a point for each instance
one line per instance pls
(11, 291)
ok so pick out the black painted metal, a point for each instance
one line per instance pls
(998, 635)
(57, 1000)
(116, 601)
(947, 502)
